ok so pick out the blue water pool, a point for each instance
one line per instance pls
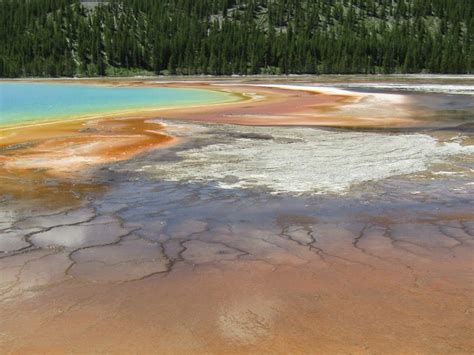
(24, 102)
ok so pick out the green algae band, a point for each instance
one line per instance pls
(25, 102)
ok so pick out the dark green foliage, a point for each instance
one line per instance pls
(223, 37)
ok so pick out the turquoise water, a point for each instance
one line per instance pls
(24, 102)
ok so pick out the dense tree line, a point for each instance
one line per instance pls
(221, 37)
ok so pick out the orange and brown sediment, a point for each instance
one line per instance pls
(50, 162)
(66, 147)
(290, 107)
(303, 286)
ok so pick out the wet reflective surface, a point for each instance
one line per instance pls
(250, 239)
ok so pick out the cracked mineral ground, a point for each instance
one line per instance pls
(247, 240)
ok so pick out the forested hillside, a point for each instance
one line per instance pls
(67, 38)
